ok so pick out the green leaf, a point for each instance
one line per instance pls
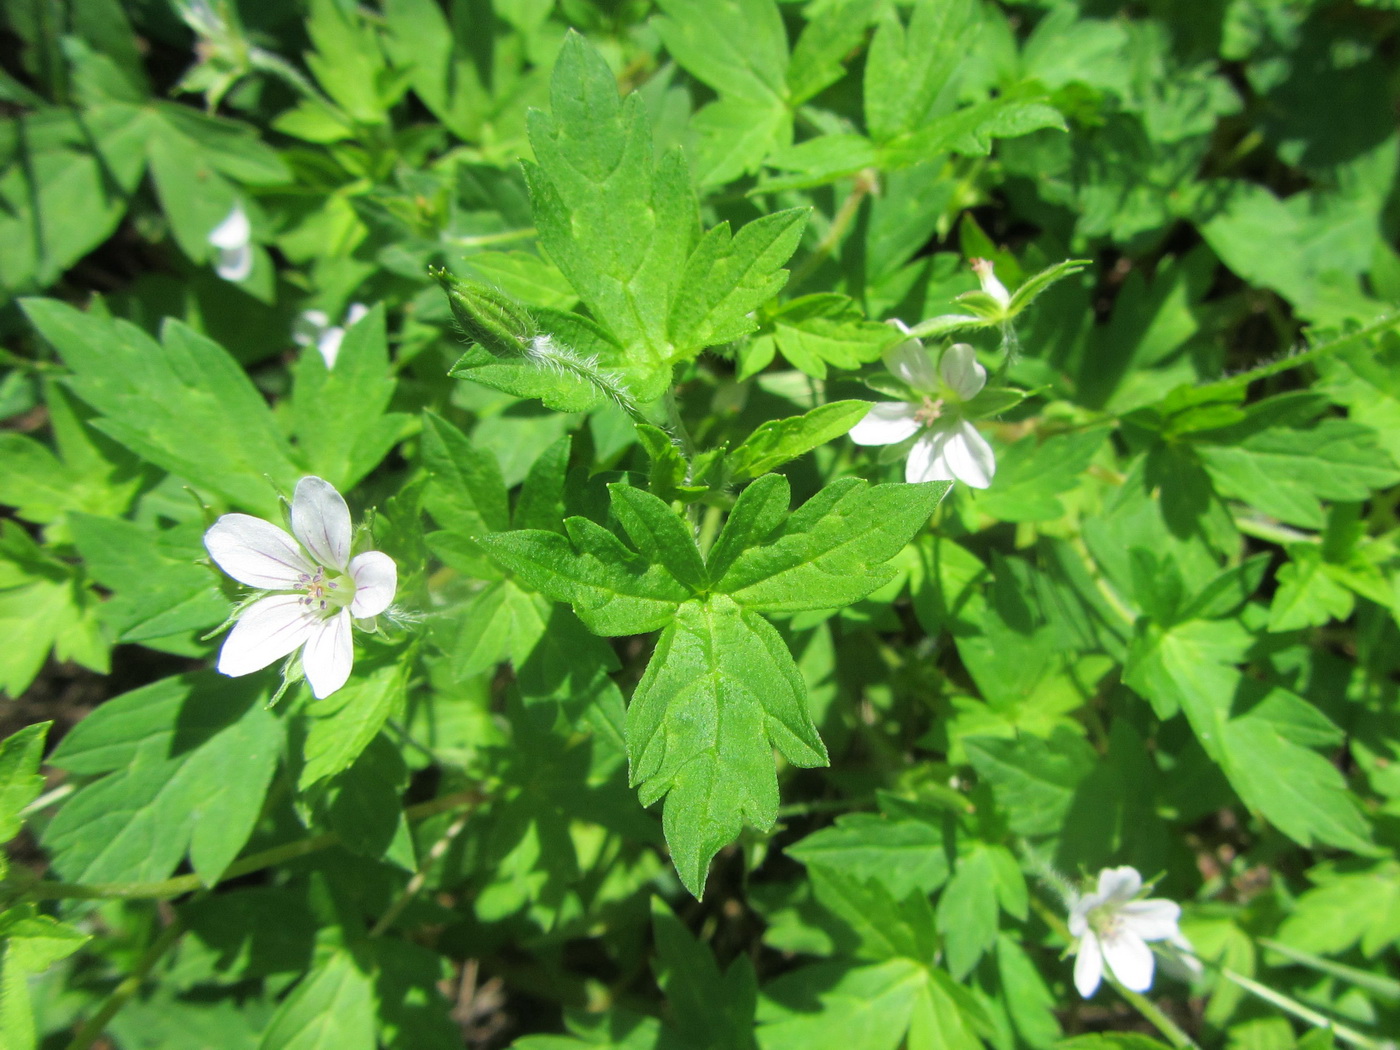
(720, 691)
(775, 442)
(884, 927)
(1351, 902)
(332, 1006)
(1033, 780)
(1259, 735)
(29, 944)
(833, 550)
(907, 68)
(902, 855)
(737, 47)
(20, 782)
(169, 748)
(341, 726)
(815, 332)
(339, 414)
(967, 911)
(727, 278)
(618, 225)
(1031, 474)
(659, 534)
(826, 41)
(465, 492)
(184, 405)
(709, 1008)
(1307, 595)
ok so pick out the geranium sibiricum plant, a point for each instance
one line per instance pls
(1113, 926)
(315, 588)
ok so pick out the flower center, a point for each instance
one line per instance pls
(1106, 922)
(928, 412)
(326, 594)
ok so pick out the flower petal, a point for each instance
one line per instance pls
(1119, 883)
(234, 232)
(234, 264)
(321, 520)
(968, 457)
(256, 552)
(887, 423)
(376, 579)
(1130, 959)
(1152, 920)
(962, 371)
(926, 462)
(329, 344)
(353, 315)
(309, 326)
(1088, 966)
(329, 655)
(911, 363)
(268, 630)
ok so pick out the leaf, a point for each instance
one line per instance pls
(1351, 902)
(709, 1008)
(1251, 730)
(727, 278)
(465, 492)
(720, 691)
(184, 405)
(1033, 780)
(332, 1006)
(659, 534)
(169, 748)
(833, 550)
(907, 68)
(339, 415)
(904, 856)
(341, 726)
(20, 782)
(967, 911)
(1307, 595)
(29, 944)
(737, 47)
(826, 41)
(775, 442)
(817, 331)
(884, 927)
(616, 223)
(1031, 473)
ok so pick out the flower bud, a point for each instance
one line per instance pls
(487, 316)
(990, 284)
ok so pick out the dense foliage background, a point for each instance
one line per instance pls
(576, 791)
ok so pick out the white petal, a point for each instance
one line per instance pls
(234, 264)
(329, 344)
(1130, 959)
(1079, 916)
(1119, 883)
(329, 655)
(268, 630)
(321, 520)
(925, 462)
(1152, 920)
(911, 363)
(353, 315)
(234, 232)
(376, 579)
(968, 457)
(962, 371)
(256, 552)
(886, 423)
(309, 326)
(1088, 966)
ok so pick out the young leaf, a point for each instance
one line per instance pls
(20, 782)
(779, 440)
(720, 692)
(737, 47)
(907, 68)
(659, 534)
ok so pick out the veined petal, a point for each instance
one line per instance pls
(910, 362)
(268, 630)
(968, 457)
(329, 655)
(1130, 959)
(376, 579)
(321, 520)
(1088, 966)
(256, 552)
(962, 371)
(886, 423)
(1152, 920)
(926, 462)
(1119, 883)
(234, 264)
(234, 232)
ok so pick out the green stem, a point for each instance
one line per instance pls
(182, 884)
(1149, 1010)
(95, 1025)
(1307, 1014)
(1271, 532)
(865, 183)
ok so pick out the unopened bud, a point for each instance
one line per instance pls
(988, 279)
(487, 316)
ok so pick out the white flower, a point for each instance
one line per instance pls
(234, 240)
(313, 327)
(317, 588)
(987, 278)
(1112, 927)
(949, 447)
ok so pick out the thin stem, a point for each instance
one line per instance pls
(182, 884)
(485, 239)
(95, 1025)
(1163, 1023)
(1272, 532)
(865, 184)
(1307, 1014)
(420, 877)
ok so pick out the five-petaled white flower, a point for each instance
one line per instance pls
(1113, 927)
(949, 447)
(313, 327)
(317, 588)
(233, 239)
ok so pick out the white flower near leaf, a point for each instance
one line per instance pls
(948, 448)
(1112, 926)
(315, 587)
(232, 240)
(987, 278)
(314, 328)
